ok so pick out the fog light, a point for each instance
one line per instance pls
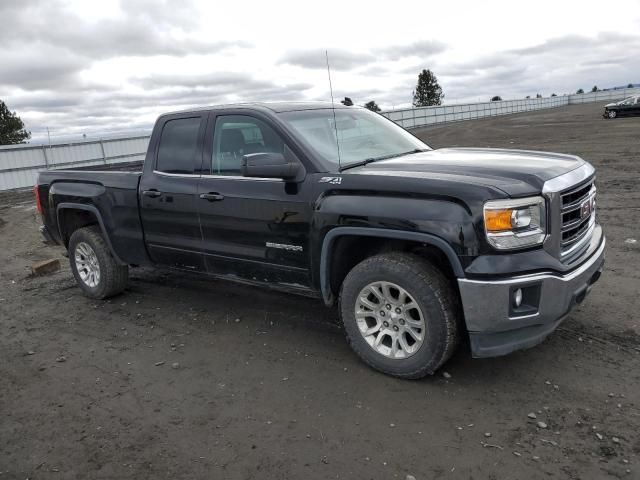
(517, 298)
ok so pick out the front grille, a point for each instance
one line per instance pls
(578, 217)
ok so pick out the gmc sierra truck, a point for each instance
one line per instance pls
(419, 247)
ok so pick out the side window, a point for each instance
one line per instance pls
(238, 135)
(178, 147)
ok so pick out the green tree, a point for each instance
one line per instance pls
(630, 85)
(580, 90)
(595, 88)
(347, 102)
(554, 95)
(497, 98)
(11, 127)
(373, 106)
(428, 91)
(538, 95)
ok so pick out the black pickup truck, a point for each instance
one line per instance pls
(419, 247)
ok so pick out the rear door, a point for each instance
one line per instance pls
(627, 107)
(168, 192)
(254, 228)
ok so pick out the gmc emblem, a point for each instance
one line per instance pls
(585, 208)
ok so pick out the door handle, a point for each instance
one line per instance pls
(151, 193)
(212, 196)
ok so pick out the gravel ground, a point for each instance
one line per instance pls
(185, 378)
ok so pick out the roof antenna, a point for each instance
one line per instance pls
(333, 107)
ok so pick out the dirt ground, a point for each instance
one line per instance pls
(185, 378)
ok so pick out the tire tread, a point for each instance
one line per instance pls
(114, 275)
(440, 286)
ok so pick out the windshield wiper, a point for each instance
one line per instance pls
(383, 157)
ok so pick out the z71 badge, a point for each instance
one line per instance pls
(332, 180)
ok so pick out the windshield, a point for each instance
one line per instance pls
(362, 135)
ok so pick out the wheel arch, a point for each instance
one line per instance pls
(330, 239)
(87, 210)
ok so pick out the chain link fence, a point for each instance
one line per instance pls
(20, 164)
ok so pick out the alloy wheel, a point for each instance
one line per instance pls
(390, 320)
(87, 264)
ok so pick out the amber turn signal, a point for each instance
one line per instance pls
(498, 220)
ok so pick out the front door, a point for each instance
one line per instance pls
(627, 107)
(168, 193)
(635, 108)
(255, 228)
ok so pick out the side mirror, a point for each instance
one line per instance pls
(269, 165)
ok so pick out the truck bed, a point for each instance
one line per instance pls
(119, 175)
(103, 194)
(112, 167)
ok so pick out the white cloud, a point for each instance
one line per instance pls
(74, 67)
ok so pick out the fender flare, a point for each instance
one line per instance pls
(96, 212)
(333, 234)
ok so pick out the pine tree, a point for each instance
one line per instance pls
(11, 127)
(428, 91)
(373, 106)
(595, 88)
(497, 98)
(580, 90)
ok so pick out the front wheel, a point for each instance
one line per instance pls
(612, 114)
(400, 314)
(94, 268)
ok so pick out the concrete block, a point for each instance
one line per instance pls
(45, 266)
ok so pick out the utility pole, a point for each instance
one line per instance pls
(49, 137)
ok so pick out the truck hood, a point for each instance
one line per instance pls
(515, 172)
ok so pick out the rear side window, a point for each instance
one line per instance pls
(178, 146)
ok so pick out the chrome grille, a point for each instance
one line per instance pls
(578, 218)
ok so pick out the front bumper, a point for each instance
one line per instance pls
(496, 327)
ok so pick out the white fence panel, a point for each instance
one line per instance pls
(20, 164)
(128, 150)
(62, 155)
(417, 117)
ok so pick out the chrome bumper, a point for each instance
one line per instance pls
(496, 327)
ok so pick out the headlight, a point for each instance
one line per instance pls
(516, 223)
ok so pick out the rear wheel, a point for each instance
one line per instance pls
(93, 266)
(400, 314)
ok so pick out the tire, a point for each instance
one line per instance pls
(94, 268)
(612, 114)
(427, 288)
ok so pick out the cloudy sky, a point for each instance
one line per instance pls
(82, 66)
